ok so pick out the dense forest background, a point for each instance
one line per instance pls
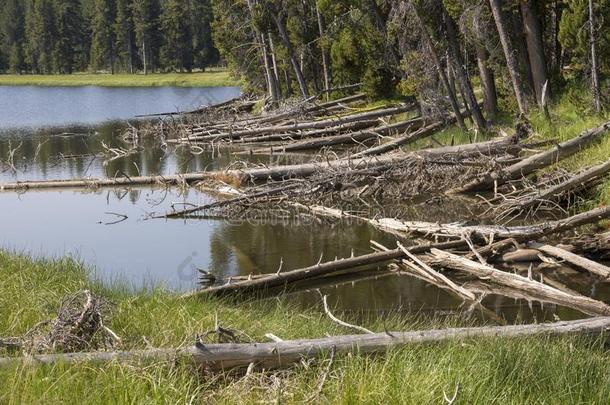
(521, 52)
(65, 36)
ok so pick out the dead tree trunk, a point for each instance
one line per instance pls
(594, 69)
(488, 83)
(584, 304)
(535, 162)
(509, 54)
(281, 26)
(535, 49)
(324, 52)
(439, 67)
(218, 357)
(460, 71)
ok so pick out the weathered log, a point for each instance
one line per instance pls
(300, 126)
(522, 233)
(403, 140)
(218, 357)
(175, 179)
(318, 270)
(485, 272)
(488, 148)
(354, 137)
(574, 259)
(535, 162)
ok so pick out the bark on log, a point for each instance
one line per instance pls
(488, 148)
(299, 126)
(219, 357)
(574, 259)
(485, 272)
(535, 162)
(521, 233)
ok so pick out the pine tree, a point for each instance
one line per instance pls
(12, 24)
(146, 22)
(41, 35)
(102, 45)
(69, 34)
(176, 51)
(204, 51)
(124, 32)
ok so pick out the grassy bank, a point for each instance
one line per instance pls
(207, 79)
(533, 370)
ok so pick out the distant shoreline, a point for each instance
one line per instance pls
(215, 78)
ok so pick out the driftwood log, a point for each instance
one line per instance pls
(535, 162)
(219, 357)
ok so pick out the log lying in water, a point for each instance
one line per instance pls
(535, 162)
(176, 179)
(489, 148)
(219, 357)
(353, 137)
(485, 272)
(523, 233)
(318, 270)
(574, 259)
(299, 126)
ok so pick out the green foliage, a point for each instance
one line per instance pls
(378, 83)
(574, 33)
(177, 48)
(102, 46)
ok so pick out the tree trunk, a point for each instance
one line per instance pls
(439, 67)
(271, 83)
(276, 74)
(535, 49)
(509, 54)
(293, 59)
(594, 69)
(461, 73)
(324, 52)
(488, 83)
(226, 356)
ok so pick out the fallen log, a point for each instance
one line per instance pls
(489, 148)
(411, 137)
(574, 259)
(300, 126)
(535, 162)
(521, 233)
(176, 179)
(580, 181)
(486, 272)
(353, 137)
(318, 270)
(217, 357)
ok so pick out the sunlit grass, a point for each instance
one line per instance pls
(528, 370)
(213, 78)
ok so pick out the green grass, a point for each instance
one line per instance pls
(532, 370)
(213, 78)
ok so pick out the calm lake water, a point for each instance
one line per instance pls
(57, 133)
(32, 107)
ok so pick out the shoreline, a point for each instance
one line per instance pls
(220, 78)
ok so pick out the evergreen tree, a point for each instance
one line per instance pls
(69, 34)
(177, 50)
(124, 32)
(146, 22)
(41, 35)
(102, 45)
(12, 24)
(204, 52)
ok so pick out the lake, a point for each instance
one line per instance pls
(57, 133)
